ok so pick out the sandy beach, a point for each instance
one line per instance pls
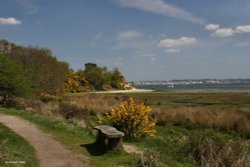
(125, 91)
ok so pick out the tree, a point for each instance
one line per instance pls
(46, 71)
(94, 76)
(117, 79)
(13, 81)
(102, 79)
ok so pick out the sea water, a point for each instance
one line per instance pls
(240, 87)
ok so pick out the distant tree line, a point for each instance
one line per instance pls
(34, 70)
(94, 78)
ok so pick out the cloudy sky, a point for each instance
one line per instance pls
(146, 39)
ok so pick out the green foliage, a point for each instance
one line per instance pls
(13, 80)
(100, 78)
(117, 79)
(95, 76)
(52, 76)
(45, 70)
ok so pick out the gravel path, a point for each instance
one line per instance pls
(49, 152)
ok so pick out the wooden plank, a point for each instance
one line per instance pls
(109, 131)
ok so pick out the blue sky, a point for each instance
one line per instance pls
(146, 39)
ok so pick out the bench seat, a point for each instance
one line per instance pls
(112, 134)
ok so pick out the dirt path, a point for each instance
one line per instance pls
(50, 153)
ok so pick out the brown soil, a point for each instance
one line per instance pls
(132, 149)
(49, 152)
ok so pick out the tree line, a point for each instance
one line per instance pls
(93, 77)
(34, 70)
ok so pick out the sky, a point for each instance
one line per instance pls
(145, 39)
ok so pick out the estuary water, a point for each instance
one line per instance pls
(237, 88)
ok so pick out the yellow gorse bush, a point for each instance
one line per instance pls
(75, 82)
(132, 119)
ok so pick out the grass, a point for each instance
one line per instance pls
(14, 150)
(212, 100)
(222, 111)
(101, 102)
(230, 120)
(176, 144)
(217, 117)
(75, 137)
(188, 119)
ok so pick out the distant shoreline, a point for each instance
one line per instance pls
(124, 91)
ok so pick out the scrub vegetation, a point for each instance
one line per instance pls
(172, 129)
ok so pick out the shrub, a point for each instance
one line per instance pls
(150, 159)
(44, 70)
(132, 119)
(44, 97)
(69, 111)
(13, 81)
(75, 82)
(213, 151)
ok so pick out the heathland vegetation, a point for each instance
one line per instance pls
(172, 129)
(35, 71)
(192, 129)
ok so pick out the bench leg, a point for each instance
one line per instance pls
(100, 140)
(115, 144)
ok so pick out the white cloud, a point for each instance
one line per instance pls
(173, 50)
(212, 26)
(223, 32)
(127, 35)
(228, 32)
(173, 43)
(160, 7)
(243, 29)
(9, 21)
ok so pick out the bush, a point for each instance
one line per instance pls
(150, 159)
(44, 70)
(13, 81)
(69, 111)
(132, 119)
(212, 151)
(44, 97)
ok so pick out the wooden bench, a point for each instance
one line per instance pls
(112, 134)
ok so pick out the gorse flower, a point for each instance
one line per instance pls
(132, 119)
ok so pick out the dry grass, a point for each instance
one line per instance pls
(71, 111)
(211, 151)
(150, 159)
(223, 119)
(94, 102)
(77, 105)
